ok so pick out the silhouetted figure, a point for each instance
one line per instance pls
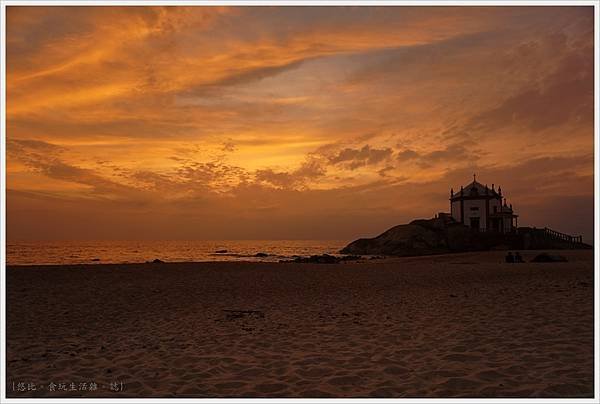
(510, 257)
(518, 257)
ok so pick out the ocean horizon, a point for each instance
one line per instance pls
(131, 251)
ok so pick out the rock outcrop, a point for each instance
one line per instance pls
(443, 234)
(419, 237)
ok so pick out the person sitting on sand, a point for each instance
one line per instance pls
(518, 257)
(509, 258)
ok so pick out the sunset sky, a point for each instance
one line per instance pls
(292, 122)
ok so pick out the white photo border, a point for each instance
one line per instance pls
(7, 3)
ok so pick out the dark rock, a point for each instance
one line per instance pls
(440, 235)
(323, 259)
(317, 259)
(157, 261)
(95, 259)
(545, 257)
(221, 252)
(320, 259)
(419, 237)
(261, 254)
(350, 258)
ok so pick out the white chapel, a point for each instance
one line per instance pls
(482, 208)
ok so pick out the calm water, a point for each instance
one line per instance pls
(102, 252)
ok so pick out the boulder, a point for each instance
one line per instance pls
(419, 237)
(350, 258)
(545, 257)
(319, 259)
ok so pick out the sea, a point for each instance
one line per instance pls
(118, 252)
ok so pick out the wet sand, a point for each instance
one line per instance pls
(462, 325)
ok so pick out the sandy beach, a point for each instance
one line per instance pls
(462, 325)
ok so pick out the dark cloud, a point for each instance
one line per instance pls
(278, 179)
(565, 95)
(237, 78)
(311, 168)
(22, 145)
(406, 155)
(228, 147)
(209, 176)
(383, 172)
(452, 153)
(355, 158)
(55, 168)
(408, 61)
(153, 181)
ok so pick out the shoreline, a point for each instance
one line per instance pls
(499, 254)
